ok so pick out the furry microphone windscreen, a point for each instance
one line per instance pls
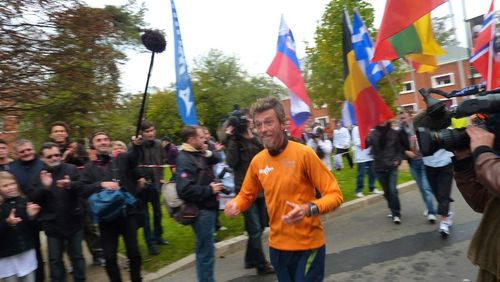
(154, 41)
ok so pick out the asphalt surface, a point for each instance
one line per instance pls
(364, 245)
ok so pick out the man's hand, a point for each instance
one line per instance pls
(32, 209)
(136, 140)
(219, 146)
(479, 137)
(229, 130)
(46, 178)
(69, 152)
(110, 185)
(231, 209)
(297, 213)
(63, 183)
(13, 220)
(216, 187)
(410, 154)
(141, 183)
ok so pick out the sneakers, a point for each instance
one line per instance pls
(359, 195)
(425, 213)
(431, 218)
(376, 191)
(396, 220)
(389, 215)
(444, 226)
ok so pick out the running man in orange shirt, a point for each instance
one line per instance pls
(289, 173)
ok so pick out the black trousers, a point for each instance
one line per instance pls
(440, 179)
(110, 231)
(345, 154)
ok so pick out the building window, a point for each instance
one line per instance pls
(409, 108)
(323, 121)
(408, 87)
(443, 80)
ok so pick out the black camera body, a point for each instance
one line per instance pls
(237, 120)
(431, 125)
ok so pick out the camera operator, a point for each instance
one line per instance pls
(476, 174)
(241, 146)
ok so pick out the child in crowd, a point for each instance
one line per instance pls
(17, 245)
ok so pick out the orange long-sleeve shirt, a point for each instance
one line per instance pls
(291, 176)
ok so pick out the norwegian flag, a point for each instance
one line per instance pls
(484, 57)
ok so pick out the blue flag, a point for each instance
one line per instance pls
(363, 50)
(184, 91)
(348, 115)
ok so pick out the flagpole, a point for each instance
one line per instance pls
(381, 65)
(489, 82)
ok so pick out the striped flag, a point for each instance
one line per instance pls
(363, 49)
(348, 115)
(285, 66)
(484, 58)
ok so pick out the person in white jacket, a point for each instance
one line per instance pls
(341, 142)
(321, 145)
(364, 162)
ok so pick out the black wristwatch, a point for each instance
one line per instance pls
(313, 209)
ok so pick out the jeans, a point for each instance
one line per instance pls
(387, 179)
(203, 228)
(441, 179)
(255, 222)
(365, 168)
(110, 231)
(417, 170)
(153, 197)
(307, 266)
(56, 247)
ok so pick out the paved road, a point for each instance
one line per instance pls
(364, 245)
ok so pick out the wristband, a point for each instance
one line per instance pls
(313, 209)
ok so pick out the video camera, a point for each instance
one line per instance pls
(237, 120)
(219, 178)
(431, 125)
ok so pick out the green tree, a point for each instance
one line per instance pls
(444, 34)
(325, 59)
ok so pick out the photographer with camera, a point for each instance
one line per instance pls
(241, 146)
(476, 172)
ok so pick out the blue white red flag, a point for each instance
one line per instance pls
(285, 66)
(484, 57)
(363, 51)
(348, 115)
(184, 90)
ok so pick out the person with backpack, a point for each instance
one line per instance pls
(108, 172)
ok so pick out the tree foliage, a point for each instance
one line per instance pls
(444, 34)
(325, 59)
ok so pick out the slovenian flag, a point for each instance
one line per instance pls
(286, 68)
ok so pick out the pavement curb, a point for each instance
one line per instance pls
(238, 243)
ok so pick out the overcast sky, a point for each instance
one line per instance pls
(246, 29)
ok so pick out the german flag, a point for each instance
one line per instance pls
(369, 108)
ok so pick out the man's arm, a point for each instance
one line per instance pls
(187, 182)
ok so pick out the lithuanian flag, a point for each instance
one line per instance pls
(406, 29)
(369, 108)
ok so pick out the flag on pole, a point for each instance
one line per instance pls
(285, 66)
(348, 115)
(363, 49)
(370, 110)
(406, 29)
(484, 57)
(184, 90)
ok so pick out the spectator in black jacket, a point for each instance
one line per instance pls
(17, 242)
(72, 152)
(56, 190)
(112, 173)
(195, 184)
(4, 156)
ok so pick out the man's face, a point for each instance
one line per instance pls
(269, 129)
(117, 149)
(25, 152)
(404, 118)
(149, 133)
(58, 134)
(51, 156)
(101, 143)
(4, 151)
(198, 141)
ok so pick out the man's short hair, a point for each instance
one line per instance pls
(20, 142)
(98, 132)
(268, 103)
(59, 123)
(188, 132)
(145, 124)
(47, 145)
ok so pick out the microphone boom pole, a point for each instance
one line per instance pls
(155, 42)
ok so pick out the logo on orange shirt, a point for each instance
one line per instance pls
(266, 170)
